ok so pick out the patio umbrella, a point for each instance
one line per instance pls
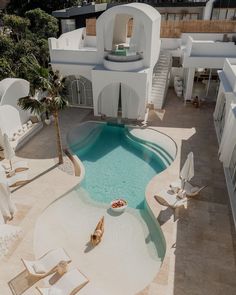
(7, 207)
(187, 172)
(9, 153)
(3, 178)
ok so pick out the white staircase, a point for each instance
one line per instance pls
(160, 80)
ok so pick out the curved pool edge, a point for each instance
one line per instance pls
(173, 151)
(148, 201)
(164, 144)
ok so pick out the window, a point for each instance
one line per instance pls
(163, 16)
(171, 16)
(232, 167)
(215, 13)
(79, 92)
(67, 25)
(194, 15)
(223, 13)
(230, 14)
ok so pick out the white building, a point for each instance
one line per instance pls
(13, 120)
(121, 74)
(225, 124)
(111, 72)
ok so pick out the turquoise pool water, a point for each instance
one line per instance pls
(116, 165)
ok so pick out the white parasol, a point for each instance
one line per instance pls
(7, 207)
(9, 152)
(187, 172)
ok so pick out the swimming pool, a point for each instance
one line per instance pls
(118, 161)
(117, 164)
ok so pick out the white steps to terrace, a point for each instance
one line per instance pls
(160, 80)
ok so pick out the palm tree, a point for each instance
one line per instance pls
(51, 85)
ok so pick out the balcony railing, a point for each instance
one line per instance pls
(174, 29)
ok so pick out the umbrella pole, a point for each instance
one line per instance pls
(10, 165)
(183, 184)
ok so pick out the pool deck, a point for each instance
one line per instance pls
(200, 258)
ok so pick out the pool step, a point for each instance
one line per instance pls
(156, 149)
(81, 146)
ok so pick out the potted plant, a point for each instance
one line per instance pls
(47, 119)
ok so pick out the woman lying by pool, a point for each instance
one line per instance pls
(96, 237)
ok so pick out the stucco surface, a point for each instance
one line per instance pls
(200, 238)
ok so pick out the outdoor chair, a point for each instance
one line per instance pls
(170, 199)
(46, 264)
(17, 167)
(191, 191)
(69, 284)
(17, 179)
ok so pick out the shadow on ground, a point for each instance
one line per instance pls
(43, 145)
(205, 243)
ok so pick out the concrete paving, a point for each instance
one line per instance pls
(200, 258)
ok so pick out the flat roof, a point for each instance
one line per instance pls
(224, 4)
(79, 10)
(92, 8)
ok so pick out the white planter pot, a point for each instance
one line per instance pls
(47, 121)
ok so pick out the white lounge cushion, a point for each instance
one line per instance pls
(181, 194)
(24, 127)
(17, 179)
(49, 261)
(168, 198)
(70, 283)
(39, 268)
(174, 189)
(55, 291)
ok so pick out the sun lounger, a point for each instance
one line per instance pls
(170, 199)
(69, 284)
(17, 179)
(17, 167)
(191, 191)
(46, 264)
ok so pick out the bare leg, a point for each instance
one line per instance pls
(100, 225)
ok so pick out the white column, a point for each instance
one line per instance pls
(189, 84)
(208, 10)
(209, 82)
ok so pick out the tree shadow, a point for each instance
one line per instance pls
(165, 215)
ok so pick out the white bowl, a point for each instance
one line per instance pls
(119, 209)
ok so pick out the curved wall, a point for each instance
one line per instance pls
(12, 117)
(123, 66)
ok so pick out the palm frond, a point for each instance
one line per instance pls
(31, 104)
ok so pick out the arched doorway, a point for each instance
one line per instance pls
(108, 100)
(79, 91)
(118, 98)
(130, 103)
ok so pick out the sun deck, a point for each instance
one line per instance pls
(200, 257)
